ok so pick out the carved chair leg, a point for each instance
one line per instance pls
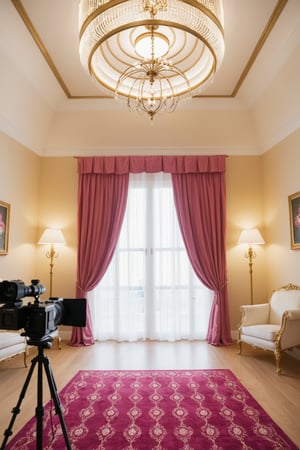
(240, 347)
(26, 352)
(277, 354)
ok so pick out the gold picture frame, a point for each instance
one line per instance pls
(294, 211)
(4, 227)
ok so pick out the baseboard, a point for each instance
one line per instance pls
(234, 335)
(294, 352)
(65, 335)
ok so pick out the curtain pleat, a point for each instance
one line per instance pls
(101, 207)
(201, 209)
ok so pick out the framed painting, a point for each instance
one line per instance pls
(294, 210)
(4, 227)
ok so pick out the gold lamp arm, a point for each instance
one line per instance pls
(250, 254)
(51, 254)
(52, 236)
(250, 236)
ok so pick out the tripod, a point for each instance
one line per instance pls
(42, 361)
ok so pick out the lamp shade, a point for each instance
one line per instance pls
(52, 236)
(251, 236)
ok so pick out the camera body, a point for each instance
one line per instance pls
(38, 319)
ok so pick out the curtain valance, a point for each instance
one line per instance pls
(151, 164)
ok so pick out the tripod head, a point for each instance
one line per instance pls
(44, 342)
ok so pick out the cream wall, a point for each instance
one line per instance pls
(280, 179)
(42, 193)
(244, 210)
(19, 186)
(58, 209)
(193, 131)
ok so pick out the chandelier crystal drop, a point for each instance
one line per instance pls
(152, 53)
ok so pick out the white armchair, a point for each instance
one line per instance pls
(273, 326)
(12, 344)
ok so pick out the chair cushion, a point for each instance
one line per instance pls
(9, 339)
(267, 332)
(282, 301)
(11, 344)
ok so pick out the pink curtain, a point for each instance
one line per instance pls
(101, 207)
(199, 191)
(200, 204)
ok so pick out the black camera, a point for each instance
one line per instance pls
(38, 319)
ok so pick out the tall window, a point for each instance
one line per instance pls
(150, 290)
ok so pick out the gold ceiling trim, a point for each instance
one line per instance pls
(260, 43)
(24, 16)
(268, 28)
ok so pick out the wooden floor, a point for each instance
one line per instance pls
(278, 395)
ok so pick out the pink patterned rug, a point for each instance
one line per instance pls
(156, 410)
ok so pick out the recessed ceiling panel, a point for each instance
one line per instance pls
(55, 26)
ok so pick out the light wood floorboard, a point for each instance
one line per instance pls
(278, 395)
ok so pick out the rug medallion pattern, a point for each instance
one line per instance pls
(156, 410)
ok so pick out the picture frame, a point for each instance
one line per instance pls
(4, 227)
(294, 212)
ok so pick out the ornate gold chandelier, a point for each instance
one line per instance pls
(151, 52)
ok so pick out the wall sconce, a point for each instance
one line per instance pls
(251, 237)
(52, 236)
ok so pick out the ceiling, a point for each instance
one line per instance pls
(53, 25)
(40, 37)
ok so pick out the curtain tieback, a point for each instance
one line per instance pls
(79, 287)
(222, 287)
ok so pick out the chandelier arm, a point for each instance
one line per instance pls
(152, 99)
(130, 72)
(143, 101)
(176, 72)
(156, 104)
(139, 90)
(171, 88)
(182, 93)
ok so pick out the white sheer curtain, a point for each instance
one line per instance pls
(150, 290)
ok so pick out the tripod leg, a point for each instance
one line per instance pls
(17, 408)
(39, 411)
(55, 397)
